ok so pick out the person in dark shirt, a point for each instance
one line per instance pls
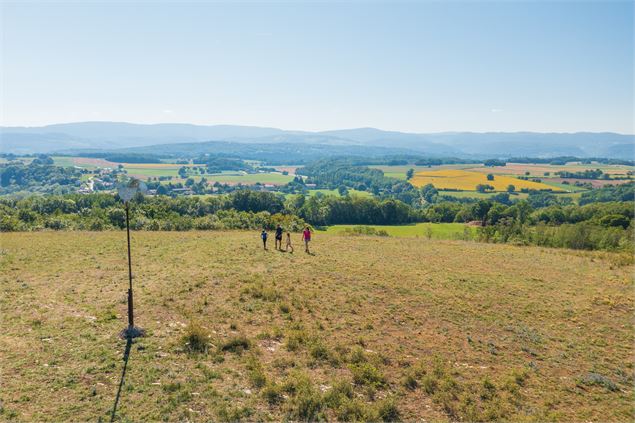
(263, 235)
(279, 238)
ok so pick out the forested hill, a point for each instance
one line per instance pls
(277, 153)
(116, 135)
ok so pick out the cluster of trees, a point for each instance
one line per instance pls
(563, 160)
(438, 161)
(542, 219)
(124, 157)
(39, 176)
(579, 236)
(332, 210)
(494, 162)
(532, 211)
(623, 192)
(484, 188)
(605, 226)
(585, 174)
(333, 174)
(330, 174)
(215, 164)
(104, 211)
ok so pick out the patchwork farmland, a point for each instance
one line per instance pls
(457, 179)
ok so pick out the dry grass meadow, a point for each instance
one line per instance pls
(366, 329)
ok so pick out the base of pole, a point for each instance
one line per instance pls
(132, 332)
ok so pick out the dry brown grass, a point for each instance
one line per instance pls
(364, 329)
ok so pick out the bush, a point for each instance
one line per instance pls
(353, 410)
(236, 344)
(387, 410)
(196, 338)
(429, 384)
(319, 351)
(339, 393)
(9, 224)
(596, 379)
(307, 402)
(367, 374)
(365, 230)
(615, 220)
(272, 393)
(296, 338)
(256, 373)
(410, 382)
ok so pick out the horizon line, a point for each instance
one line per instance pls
(2, 126)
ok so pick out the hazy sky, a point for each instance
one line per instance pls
(417, 66)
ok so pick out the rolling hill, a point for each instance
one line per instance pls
(115, 135)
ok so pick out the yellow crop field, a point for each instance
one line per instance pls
(467, 180)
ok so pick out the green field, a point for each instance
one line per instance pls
(151, 172)
(366, 329)
(335, 192)
(64, 161)
(250, 178)
(432, 230)
(569, 187)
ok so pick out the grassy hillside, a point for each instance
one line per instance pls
(429, 230)
(367, 328)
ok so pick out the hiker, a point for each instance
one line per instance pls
(286, 248)
(263, 235)
(306, 237)
(279, 238)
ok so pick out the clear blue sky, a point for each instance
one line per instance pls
(419, 66)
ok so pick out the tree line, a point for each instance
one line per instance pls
(606, 225)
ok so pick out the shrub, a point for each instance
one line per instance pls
(341, 391)
(255, 373)
(307, 403)
(272, 393)
(429, 384)
(319, 351)
(352, 411)
(365, 230)
(367, 374)
(306, 406)
(296, 338)
(387, 410)
(236, 344)
(410, 382)
(196, 338)
(596, 379)
(357, 356)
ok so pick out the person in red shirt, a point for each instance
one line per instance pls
(306, 237)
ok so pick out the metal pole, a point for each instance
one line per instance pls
(130, 308)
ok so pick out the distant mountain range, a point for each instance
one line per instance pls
(112, 136)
